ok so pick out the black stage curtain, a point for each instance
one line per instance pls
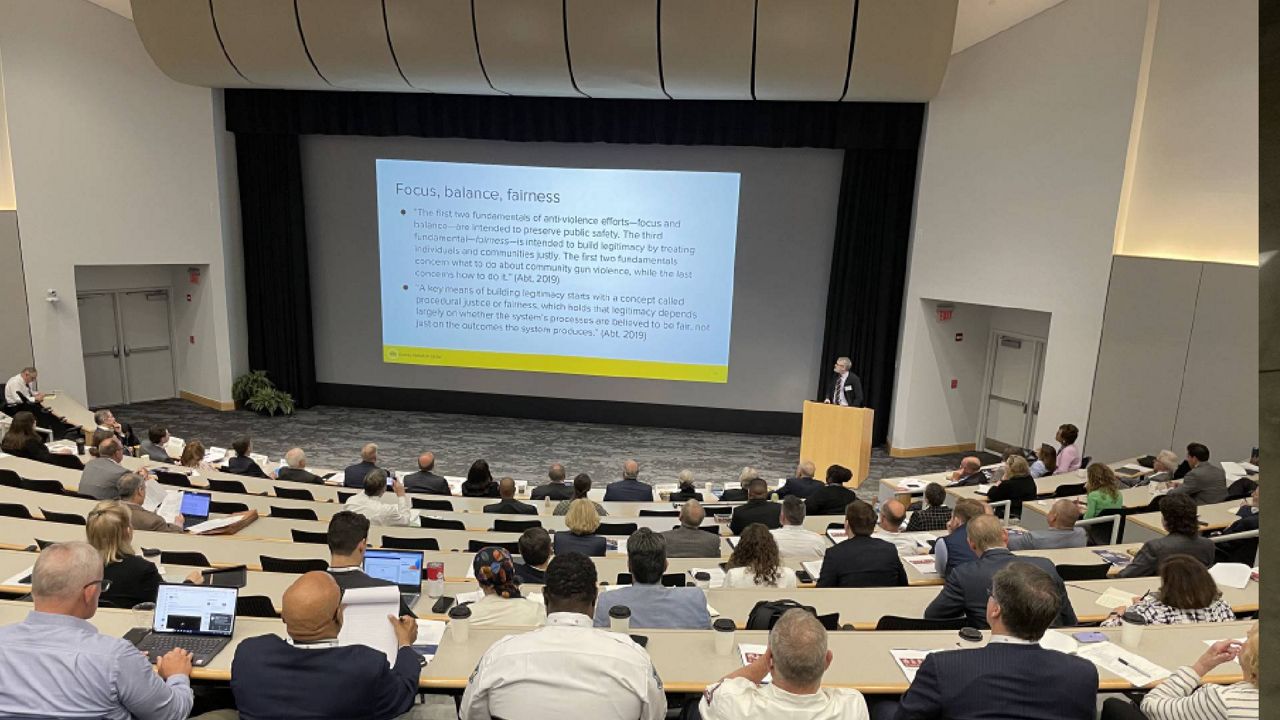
(864, 301)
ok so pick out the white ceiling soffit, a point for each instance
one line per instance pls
(977, 20)
(691, 49)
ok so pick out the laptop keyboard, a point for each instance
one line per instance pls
(201, 646)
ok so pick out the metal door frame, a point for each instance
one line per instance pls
(1031, 408)
(120, 351)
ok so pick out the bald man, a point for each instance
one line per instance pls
(1062, 532)
(969, 473)
(295, 468)
(509, 505)
(425, 481)
(353, 476)
(555, 487)
(891, 525)
(310, 675)
(629, 487)
(689, 540)
(803, 484)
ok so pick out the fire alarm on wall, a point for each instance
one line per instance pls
(955, 383)
(959, 337)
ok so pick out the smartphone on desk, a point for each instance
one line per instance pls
(804, 576)
(443, 604)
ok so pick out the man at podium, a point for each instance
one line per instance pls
(844, 388)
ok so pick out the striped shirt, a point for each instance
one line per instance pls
(1181, 697)
(1157, 613)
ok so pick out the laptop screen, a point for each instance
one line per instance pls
(194, 505)
(402, 567)
(195, 609)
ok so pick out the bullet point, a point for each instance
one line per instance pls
(402, 212)
(404, 287)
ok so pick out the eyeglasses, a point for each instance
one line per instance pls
(104, 584)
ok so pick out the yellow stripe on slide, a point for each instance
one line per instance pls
(606, 367)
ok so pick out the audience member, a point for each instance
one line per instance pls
(1204, 483)
(372, 502)
(21, 440)
(968, 586)
(739, 494)
(1182, 696)
(891, 528)
(1103, 490)
(582, 521)
(1017, 486)
(310, 675)
(1062, 532)
(1046, 462)
(130, 578)
(756, 562)
(757, 509)
(193, 457)
(295, 468)
(969, 473)
(1012, 676)
(651, 604)
(794, 541)
(581, 490)
(106, 420)
(509, 505)
(601, 675)
(535, 551)
(952, 549)
(685, 489)
(629, 487)
(348, 537)
(96, 439)
(689, 540)
(479, 482)
(1188, 594)
(1163, 469)
(241, 463)
(20, 393)
(861, 560)
(132, 489)
(832, 498)
(353, 475)
(425, 481)
(935, 514)
(154, 445)
(1068, 453)
(795, 660)
(56, 664)
(100, 475)
(803, 484)
(501, 604)
(1181, 522)
(1249, 516)
(555, 487)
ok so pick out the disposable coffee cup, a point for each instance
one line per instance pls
(702, 580)
(460, 623)
(620, 619)
(724, 632)
(1131, 626)
(144, 615)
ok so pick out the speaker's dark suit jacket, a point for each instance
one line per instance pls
(756, 511)
(852, 389)
(968, 586)
(628, 490)
(862, 561)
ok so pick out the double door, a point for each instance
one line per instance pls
(126, 338)
(1015, 368)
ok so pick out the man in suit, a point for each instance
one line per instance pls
(241, 463)
(651, 604)
(133, 493)
(313, 676)
(969, 473)
(861, 560)
(1181, 520)
(425, 481)
(739, 494)
(844, 388)
(1204, 483)
(348, 537)
(952, 549)
(757, 510)
(153, 446)
(535, 551)
(832, 498)
(1062, 532)
(803, 484)
(353, 475)
(508, 505)
(106, 420)
(555, 489)
(100, 475)
(1012, 672)
(689, 540)
(968, 586)
(629, 487)
(295, 469)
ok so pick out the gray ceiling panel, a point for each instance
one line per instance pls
(707, 49)
(901, 49)
(434, 40)
(348, 44)
(261, 37)
(613, 45)
(522, 46)
(181, 39)
(802, 55)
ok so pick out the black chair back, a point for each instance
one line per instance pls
(1076, 573)
(895, 622)
(713, 529)
(170, 557)
(227, 486)
(1100, 533)
(42, 544)
(53, 487)
(14, 510)
(172, 479)
(293, 493)
(436, 524)
(293, 513)
(478, 545)
(425, 504)
(9, 478)
(255, 606)
(226, 508)
(290, 565)
(1084, 461)
(314, 538)
(668, 580)
(1070, 490)
(518, 526)
(409, 543)
(616, 528)
(718, 509)
(61, 517)
(345, 496)
(659, 513)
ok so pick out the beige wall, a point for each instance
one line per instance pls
(15, 333)
(6, 167)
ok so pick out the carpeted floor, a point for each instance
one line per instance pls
(332, 437)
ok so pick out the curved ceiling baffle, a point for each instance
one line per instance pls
(803, 55)
(613, 48)
(181, 38)
(435, 43)
(901, 49)
(263, 40)
(707, 49)
(522, 44)
(348, 44)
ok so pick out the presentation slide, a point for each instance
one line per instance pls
(608, 272)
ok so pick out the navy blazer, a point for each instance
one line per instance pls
(830, 499)
(862, 561)
(272, 679)
(800, 487)
(628, 490)
(353, 475)
(764, 512)
(553, 490)
(1002, 680)
(589, 545)
(511, 507)
(968, 586)
(427, 482)
(244, 465)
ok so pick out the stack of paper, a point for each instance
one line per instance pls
(751, 653)
(214, 455)
(171, 506)
(813, 567)
(909, 661)
(911, 484)
(1233, 470)
(837, 535)
(983, 488)
(210, 525)
(1232, 575)
(365, 619)
(1135, 669)
(430, 633)
(1114, 598)
(924, 564)
(717, 575)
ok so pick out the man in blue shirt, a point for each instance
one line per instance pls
(55, 663)
(651, 604)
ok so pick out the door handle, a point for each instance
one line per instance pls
(126, 351)
(115, 351)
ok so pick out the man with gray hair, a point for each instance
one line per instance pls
(295, 468)
(133, 492)
(1165, 465)
(353, 475)
(629, 487)
(554, 488)
(803, 484)
(1062, 532)
(690, 540)
(844, 388)
(373, 504)
(794, 541)
(797, 657)
(56, 664)
(969, 473)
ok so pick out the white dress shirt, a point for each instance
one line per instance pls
(565, 667)
(907, 544)
(380, 511)
(497, 610)
(796, 542)
(17, 391)
(741, 577)
(738, 697)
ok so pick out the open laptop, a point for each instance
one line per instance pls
(197, 618)
(194, 508)
(402, 567)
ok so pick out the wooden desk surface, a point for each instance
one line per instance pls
(1136, 497)
(1217, 517)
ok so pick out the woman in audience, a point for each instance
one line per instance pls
(582, 521)
(1183, 697)
(1046, 462)
(479, 482)
(128, 578)
(193, 457)
(686, 491)
(1103, 491)
(755, 562)
(1068, 454)
(1187, 594)
(22, 441)
(1016, 486)
(581, 487)
(502, 604)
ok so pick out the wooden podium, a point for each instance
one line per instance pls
(837, 435)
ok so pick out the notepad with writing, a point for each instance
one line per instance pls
(365, 619)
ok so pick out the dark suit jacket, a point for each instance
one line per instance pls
(852, 389)
(240, 465)
(353, 475)
(958, 550)
(1205, 483)
(800, 487)
(530, 574)
(755, 511)
(511, 507)
(733, 495)
(554, 490)
(356, 578)
(1147, 562)
(862, 561)
(299, 475)
(682, 496)
(968, 586)
(488, 490)
(975, 479)
(33, 449)
(829, 500)
(155, 452)
(427, 482)
(589, 545)
(628, 490)
(273, 679)
(1002, 680)
(134, 580)
(1016, 490)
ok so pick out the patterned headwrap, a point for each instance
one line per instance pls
(495, 568)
